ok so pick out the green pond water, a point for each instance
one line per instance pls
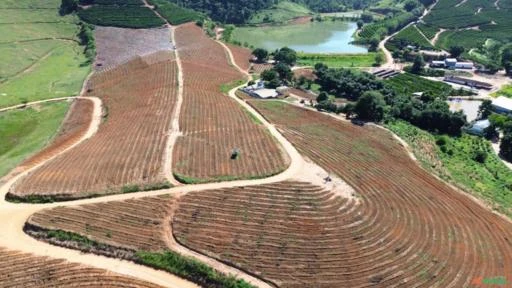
(314, 37)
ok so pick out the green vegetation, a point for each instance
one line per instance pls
(504, 91)
(175, 14)
(60, 74)
(225, 88)
(380, 28)
(409, 36)
(24, 132)
(147, 187)
(189, 268)
(121, 16)
(453, 159)
(282, 12)
(337, 60)
(408, 83)
(429, 31)
(40, 60)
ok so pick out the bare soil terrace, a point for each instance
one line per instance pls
(213, 125)
(128, 149)
(25, 270)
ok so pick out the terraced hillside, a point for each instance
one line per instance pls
(409, 228)
(213, 124)
(25, 270)
(127, 153)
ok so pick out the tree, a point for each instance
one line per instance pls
(506, 147)
(485, 109)
(68, 7)
(366, 17)
(456, 51)
(371, 106)
(284, 71)
(379, 58)
(418, 64)
(322, 97)
(373, 44)
(480, 156)
(261, 54)
(269, 75)
(286, 55)
(506, 60)
(360, 24)
(410, 5)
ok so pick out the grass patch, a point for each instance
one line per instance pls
(61, 74)
(337, 60)
(253, 118)
(225, 88)
(26, 131)
(190, 269)
(504, 91)
(453, 159)
(282, 12)
(132, 188)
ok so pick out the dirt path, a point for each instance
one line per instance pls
(232, 60)
(496, 4)
(436, 37)
(19, 106)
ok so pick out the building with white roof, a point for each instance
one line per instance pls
(502, 105)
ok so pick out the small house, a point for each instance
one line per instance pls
(478, 128)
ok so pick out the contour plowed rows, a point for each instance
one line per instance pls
(74, 126)
(139, 97)
(213, 124)
(133, 224)
(242, 56)
(19, 269)
(409, 229)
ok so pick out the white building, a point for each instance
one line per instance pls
(502, 105)
(265, 93)
(452, 63)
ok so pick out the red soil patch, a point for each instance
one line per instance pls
(242, 56)
(308, 73)
(25, 270)
(303, 94)
(258, 68)
(301, 20)
(133, 224)
(214, 124)
(74, 126)
(129, 146)
(409, 229)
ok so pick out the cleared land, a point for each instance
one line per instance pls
(116, 46)
(213, 124)
(409, 228)
(26, 131)
(337, 60)
(25, 270)
(282, 12)
(242, 56)
(127, 152)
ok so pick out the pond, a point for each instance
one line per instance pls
(314, 37)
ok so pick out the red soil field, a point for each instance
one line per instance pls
(303, 94)
(73, 127)
(128, 149)
(308, 73)
(25, 270)
(242, 56)
(408, 229)
(212, 123)
(138, 224)
(258, 68)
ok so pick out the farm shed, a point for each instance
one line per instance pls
(478, 128)
(468, 82)
(264, 93)
(502, 105)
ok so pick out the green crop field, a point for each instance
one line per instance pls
(409, 83)
(26, 131)
(504, 91)
(409, 36)
(429, 31)
(175, 14)
(456, 165)
(382, 27)
(281, 12)
(39, 60)
(337, 60)
(128, 16)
